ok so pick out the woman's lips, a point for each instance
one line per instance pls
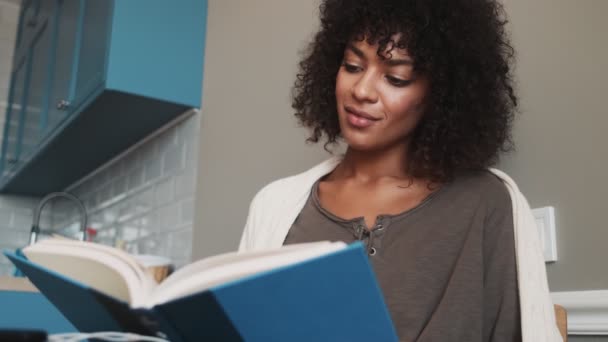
(358, 118)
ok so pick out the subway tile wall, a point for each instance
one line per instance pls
(16, 212)
(143, 201)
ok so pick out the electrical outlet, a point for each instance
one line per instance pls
(545, 221)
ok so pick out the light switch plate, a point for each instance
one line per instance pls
(545, 221)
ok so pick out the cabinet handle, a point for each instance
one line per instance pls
(63, 105)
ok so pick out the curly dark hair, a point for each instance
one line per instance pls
(460, 45)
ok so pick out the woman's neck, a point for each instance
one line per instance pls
(370, 166)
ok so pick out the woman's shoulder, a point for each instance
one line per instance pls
(485, 194)
(482, 179)
(488, 186)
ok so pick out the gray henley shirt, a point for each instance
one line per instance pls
(446, 267)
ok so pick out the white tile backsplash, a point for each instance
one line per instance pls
(163, 191)
(144, 200)
(16, 216)
(180, 246)
(184, 182)
(187, 211)
(172, 159)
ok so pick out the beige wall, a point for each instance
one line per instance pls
(248, 133)
(249, 136)
(561, 134)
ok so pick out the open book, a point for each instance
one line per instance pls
(118, 274)
(263, 295)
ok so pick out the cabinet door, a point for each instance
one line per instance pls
(17, 98)
(63, 81)
(27, 27)
(37, 101)
(93, 47)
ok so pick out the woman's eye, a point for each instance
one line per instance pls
(398, 82)
(350, 67)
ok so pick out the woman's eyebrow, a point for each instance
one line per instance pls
(356, 51)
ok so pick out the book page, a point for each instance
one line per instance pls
(98, 268)
(92, 273)
(127, 258)
(228, 258)
(242, 265)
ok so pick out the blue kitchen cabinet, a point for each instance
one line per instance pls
(13, 118)
(62, 89)
(83, 29)
(100, 76)
(27, 100)
(28, 23)
(36, 104)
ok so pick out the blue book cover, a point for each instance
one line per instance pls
(334, 297)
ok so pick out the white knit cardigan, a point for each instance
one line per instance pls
(275, 208)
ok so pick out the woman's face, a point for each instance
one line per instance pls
(380, 101)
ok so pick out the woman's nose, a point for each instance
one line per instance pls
(364, 89)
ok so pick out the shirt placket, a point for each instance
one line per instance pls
(371, 237)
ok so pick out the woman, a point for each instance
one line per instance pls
(421, 93)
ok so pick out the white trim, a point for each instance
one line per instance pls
(587, 311)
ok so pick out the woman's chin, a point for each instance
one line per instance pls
(362, 145)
